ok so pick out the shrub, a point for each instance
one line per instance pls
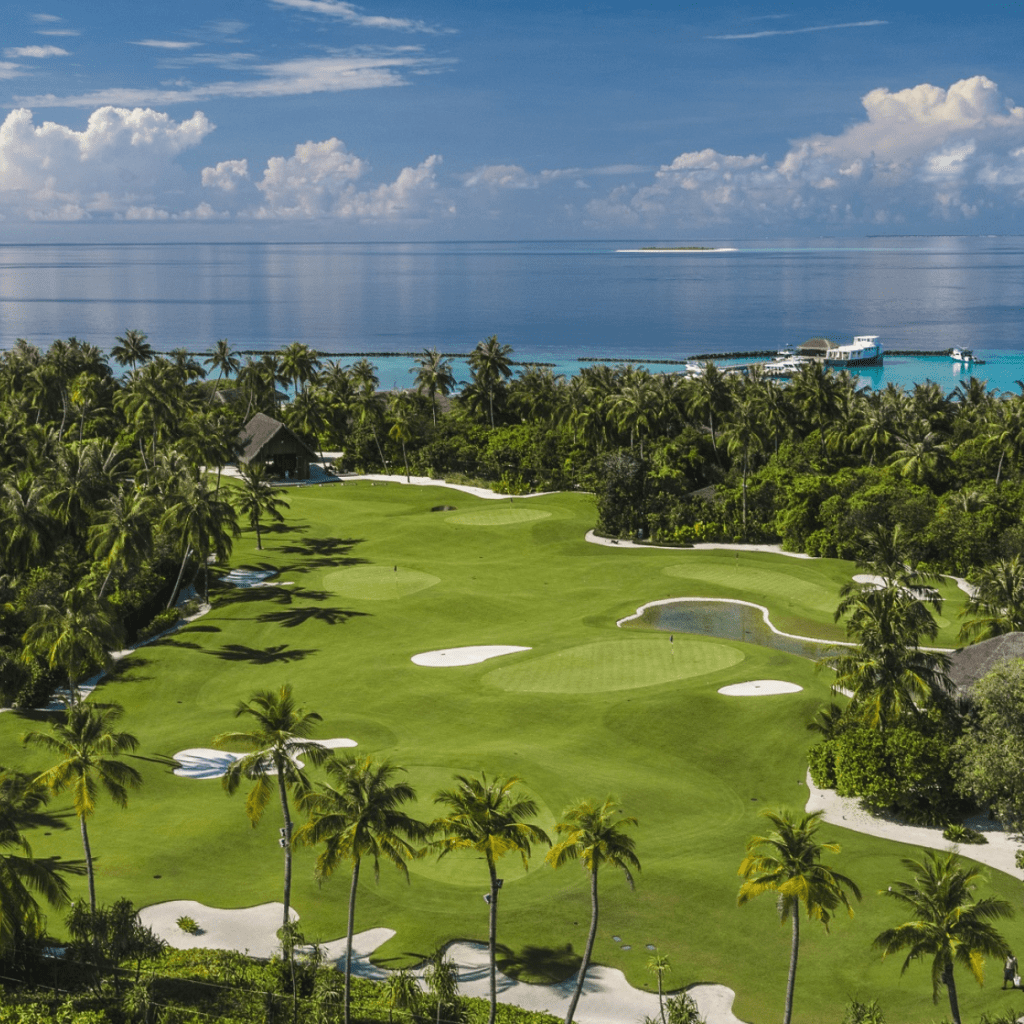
(957, 833)
(160, 623)
(189, 925)
(864, 1013)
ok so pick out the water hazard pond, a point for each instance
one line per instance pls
(727, 620)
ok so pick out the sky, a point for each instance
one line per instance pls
(491, 119)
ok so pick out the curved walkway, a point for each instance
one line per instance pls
(607, 997)
(426, 481)
(999, 852)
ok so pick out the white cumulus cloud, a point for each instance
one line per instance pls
(122, 161)
(922, 151)
(319, 181)
(354, 15)
(226, 175)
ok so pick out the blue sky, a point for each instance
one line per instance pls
(501, 120)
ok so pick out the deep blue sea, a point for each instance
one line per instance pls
(554, 302)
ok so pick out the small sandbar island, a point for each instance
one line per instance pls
(677, 248)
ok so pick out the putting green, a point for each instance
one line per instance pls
(615, 665)
(378, 582)
(503, 515)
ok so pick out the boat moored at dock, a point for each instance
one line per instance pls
(864, 350)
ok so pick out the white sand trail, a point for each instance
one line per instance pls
(210, 763)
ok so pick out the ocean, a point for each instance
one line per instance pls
(553, 302)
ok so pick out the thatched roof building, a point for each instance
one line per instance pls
(969, 664)
(285, 454)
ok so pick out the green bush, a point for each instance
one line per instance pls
(189, 925)
(957, 833)
(160, 623)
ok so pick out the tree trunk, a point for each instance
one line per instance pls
(380, 452)
(259, 545)
(492, 939)
(954, 1005)
(106, 580)
(999, 468)
(88, 865)
(744, 493)
(287, 842)
(348, 940)
(181, 572)
(587, 952)
(405, 459)
(791, 983)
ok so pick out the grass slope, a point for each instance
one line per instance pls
(590, 710)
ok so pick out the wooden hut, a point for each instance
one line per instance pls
(281, 450)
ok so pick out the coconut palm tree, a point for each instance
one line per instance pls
(659, 964)
(22, 877)
(359, 814)
(132, 349)
(89, 748)
(369, 412)
(224, 361)
(256, 498)
(278, 738)
(486, 816)
(491, 365)
(593, 834)
(299, 364)
(997, 604)
(202, 522)
(743, 435)
(787, 862)
(948, 923)
(400, 992)
(433, 377)
(402, 410)
(442, 980)
(122, 531)
(74, 638)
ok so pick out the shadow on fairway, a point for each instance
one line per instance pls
(324, 552)
(279, 655)
(292, 617)
(545, 965)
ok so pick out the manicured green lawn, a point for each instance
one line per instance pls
(590, 710)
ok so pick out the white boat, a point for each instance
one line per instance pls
(785, 364)
(962, 355)
(864, 350)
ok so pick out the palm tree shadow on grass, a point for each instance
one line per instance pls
(291, 617)
(545, 965)
(324, 552)
(279, 655)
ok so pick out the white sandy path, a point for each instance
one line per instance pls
(607, 997)
(453, 657)
(768, 549)
(426, 481)
(998, 852)
(760, 688)
(210, 763)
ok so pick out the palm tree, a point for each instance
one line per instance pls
(442, 979)
(400, 992)
(280, 735)
(948, 923)
(366, 405)
(658, 963)
(402, 410)
(74, 637)
(593, 834)
(89, 749)
(710, 396)
(634, 406)
(21, 875)
(491, 365)
(487, 817)
(256, 498)
(224, 361)
(997, 604)
(202, 522)
(360, 816)
(787, 861)
(433, 377)
(299, 365)
(132, 349)
(122, 532)
(743, 435)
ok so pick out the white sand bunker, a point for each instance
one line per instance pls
(455, 656)
(208, 763)
(760, 688)
(249, 930)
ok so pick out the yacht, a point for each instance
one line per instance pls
(865, 350)
(962, 355)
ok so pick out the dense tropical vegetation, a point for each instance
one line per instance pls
(112, 504)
